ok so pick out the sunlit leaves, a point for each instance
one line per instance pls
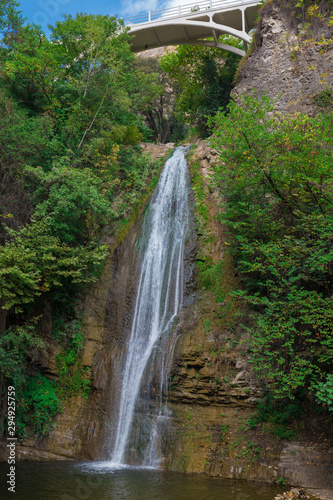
(204, 77)
(276, 177)
(33, 261)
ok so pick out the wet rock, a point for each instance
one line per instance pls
(295, 494)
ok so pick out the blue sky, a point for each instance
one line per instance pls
(46, 12)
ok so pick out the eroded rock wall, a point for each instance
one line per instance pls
(81, 430)
(213, 389)
(291, 60)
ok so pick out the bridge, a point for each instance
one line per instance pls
(193, 24)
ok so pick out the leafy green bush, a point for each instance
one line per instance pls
(324, 99)
(72, 378)
(276, 178)
(33, 261)
(15, 344)
(324, 392)
(72, 202)
(38, 403)
(211, 277)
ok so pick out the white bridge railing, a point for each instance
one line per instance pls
(183, 10)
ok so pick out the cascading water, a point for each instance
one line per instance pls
(159, 291)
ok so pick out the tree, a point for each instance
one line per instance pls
(96, 54)
(204, 77)
(33, 262)
(11, 21)
(156, 98)
(276, 178)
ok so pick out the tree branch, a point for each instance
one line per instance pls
(92, 123)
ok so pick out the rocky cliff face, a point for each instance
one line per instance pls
(291, 59)
(80, 430)
(212, 388)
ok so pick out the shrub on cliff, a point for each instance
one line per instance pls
(204, 79)
(69, 166)
(276, 178)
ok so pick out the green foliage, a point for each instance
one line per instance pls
(312, 3)
(81, 78)
(72, 378)
(324, 392)
(73, 203)
(280, 417)
(33, 261)
(324, 99)
(10, 20)
(277, 179)
(15, 345)
(206, 323)
(38, 403)
(200, 191)
(204, 81)
(212, 278)
(155, 100)
(24, 140)
(250, 449)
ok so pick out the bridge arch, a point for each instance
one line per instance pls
(184, 26)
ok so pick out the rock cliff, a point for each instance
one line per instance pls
(291, 58)
(212, 388)
(79, 430)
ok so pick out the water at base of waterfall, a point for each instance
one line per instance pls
(158, 299)
(68, 480)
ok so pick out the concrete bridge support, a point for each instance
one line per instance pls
(192, 24)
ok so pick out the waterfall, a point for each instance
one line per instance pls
(159, 291)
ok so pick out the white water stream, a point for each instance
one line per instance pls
(160, 286)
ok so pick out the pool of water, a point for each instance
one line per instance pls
(99, 481)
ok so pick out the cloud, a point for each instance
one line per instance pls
(129, 8)
(175, 3)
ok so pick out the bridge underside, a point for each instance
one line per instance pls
(195, 28)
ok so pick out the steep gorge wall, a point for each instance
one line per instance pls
(213, 390)
(291, 59)
(80, 430)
